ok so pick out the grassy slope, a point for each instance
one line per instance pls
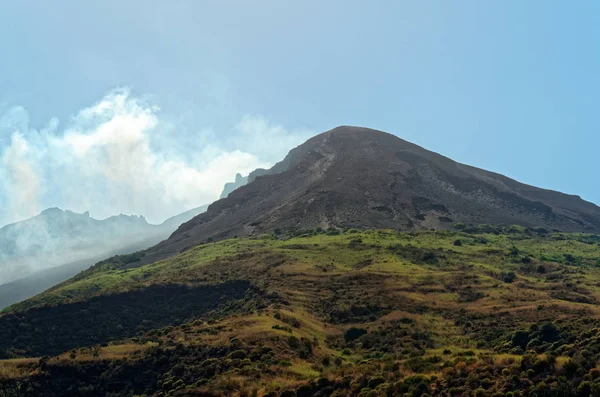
(320, 254)
(427, 303)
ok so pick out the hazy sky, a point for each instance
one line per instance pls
(148, 107)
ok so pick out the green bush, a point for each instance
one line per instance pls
(354, 333)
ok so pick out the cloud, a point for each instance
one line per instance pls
(266, 139)
(21, 179)
(121, 156)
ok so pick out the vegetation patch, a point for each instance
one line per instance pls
(484, 310)
(54, 329)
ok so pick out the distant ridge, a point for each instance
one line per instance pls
(53, 246)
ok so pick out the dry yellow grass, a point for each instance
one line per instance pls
(16, 368)
(561, 361)
(507, 359)
(104, 353)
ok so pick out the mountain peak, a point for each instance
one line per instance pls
(231, 186)
(356, 132)
(51, 211)
(356, 177)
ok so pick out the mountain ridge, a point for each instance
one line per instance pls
(354, 177)
(70, 242)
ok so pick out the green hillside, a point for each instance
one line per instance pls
(476, 311)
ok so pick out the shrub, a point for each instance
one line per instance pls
(239, 354)
(584, 389)
(293, 321)
(354, 333)
(293, 341)
(429, 257)
(468, 294)
(479, 392)
(282, 328)
(541, 269)
(376, 381)
(508, 277)
(570, 258)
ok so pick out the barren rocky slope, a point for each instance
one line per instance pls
(363, 178)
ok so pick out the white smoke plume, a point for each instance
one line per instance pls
(22, 181)
(116, 157)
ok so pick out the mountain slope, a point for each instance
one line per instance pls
(353, 177)
(493, 311)
(487, 310)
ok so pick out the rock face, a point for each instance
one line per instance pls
(231, 186)
(363, 178)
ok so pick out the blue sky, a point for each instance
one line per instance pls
(211, 87)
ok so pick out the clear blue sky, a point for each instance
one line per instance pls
(510, 86)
